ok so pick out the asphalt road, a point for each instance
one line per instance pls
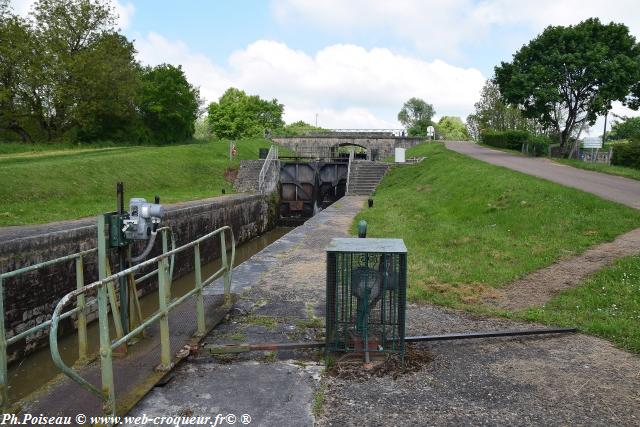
(610, 187)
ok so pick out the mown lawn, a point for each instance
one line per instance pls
(62, 183)
(607, 304)
(599, 167)
(471, 227)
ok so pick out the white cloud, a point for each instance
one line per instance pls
(443, 26)
(346, 85)
(124, 11)
(200, 70)
(22, 7)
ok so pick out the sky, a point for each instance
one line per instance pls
(349, 63)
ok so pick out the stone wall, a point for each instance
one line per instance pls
(249, 174)
(31, 298)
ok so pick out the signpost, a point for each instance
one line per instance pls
(431, 132)
(595, 144)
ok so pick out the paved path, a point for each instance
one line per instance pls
(282, 292)
(611, 187)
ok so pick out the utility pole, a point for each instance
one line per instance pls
(604, 132)
(316, 119)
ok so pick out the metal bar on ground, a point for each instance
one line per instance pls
(243, 348)
(494, 334)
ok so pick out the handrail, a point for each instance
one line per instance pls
(351, 156)
(78, 258)
(107, 393)
(272, 156)
(80, 309)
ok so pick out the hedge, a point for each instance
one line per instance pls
(515, 139)
(626, 154)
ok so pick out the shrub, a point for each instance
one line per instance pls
(515, 139)
(627, 154)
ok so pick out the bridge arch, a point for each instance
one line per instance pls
(362, 153)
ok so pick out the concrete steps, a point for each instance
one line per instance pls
(248, 174)
(365, 177)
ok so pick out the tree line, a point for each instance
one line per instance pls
(560, 82)
(416, 115)
(68, 74)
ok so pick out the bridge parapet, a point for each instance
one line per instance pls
(378, 145)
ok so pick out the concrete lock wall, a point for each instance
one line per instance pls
(30, 299)
(322, 146)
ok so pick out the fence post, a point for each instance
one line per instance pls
(82, 315)
(106, 366)
(4, 386)
(225, 264)
(165, 249)
(165, 343)
(199, 296)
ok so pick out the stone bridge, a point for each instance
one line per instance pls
(377, 145)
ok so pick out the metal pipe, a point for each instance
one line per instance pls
(242, 348)
(492, 334)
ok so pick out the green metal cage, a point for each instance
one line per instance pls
(366, 295)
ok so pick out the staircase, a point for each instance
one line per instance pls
(247, 179)
(365, 176)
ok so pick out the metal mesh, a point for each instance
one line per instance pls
(366, 301)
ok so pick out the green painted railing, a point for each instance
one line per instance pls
(107, 392)
(80, 310)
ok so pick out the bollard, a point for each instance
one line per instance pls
(362, 228)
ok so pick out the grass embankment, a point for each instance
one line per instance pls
(607, 304)
(600, 167)
(471, 227)
(66, 182)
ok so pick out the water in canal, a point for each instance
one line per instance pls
(37, 369)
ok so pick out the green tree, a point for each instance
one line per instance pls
(493, 113)
(625, 128)
(416, 116)
(567, 76)
(169, 104)
(238, 115)
(299, 128)
(66, 31)
(452, 129)
(106, 91)
(16, 54)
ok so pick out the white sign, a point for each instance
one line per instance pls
(430, 131)
(400, 155)
(592, 142)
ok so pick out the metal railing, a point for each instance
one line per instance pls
(272, 158)
(80, 309)
(107, 392)
(351, 156)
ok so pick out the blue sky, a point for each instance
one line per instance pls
(352, 62)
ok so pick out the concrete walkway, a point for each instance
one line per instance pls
(282, 292)
(610, 187)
